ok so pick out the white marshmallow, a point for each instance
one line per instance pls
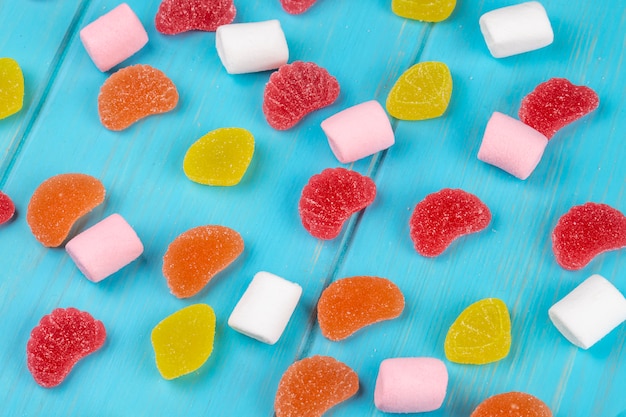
(516, 29)
(251, 47)
(266, 307)
(590, 312)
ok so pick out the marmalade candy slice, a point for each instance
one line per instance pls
(177, 16)
(424, 10)
(7, 208)
(11, 87)
(297, 6)
(512, 404)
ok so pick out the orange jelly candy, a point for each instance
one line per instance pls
(197, 255)
(312, 386)
(512, 404)
(59, 202)
(349, 304)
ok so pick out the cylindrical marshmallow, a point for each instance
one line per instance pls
(512, 145)
(590, 312)
(410, 385)
(105, 248)
(265, 307)
(113, 37)
(251, 47)
(358, 131)
(516, 29)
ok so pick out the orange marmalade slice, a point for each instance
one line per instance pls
(512, 404)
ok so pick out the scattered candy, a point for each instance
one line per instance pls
(105, 248)
(424, 10)
(422, 92)
(177, 16)
(183, 341)
(590, 312)
(555, 104)
(59, 341)
(58, 203)
(296, 90)
(410, 385)
(220, 157)
(311, 386)
(113, 37)
(481, 334)
(331, 197)
(266, 307)
(512, 404)
(197, 255)
(586, 231)
(11, 87)
(511, 145)
(516, 29)
(297, 6)
(358, 131)
(349, 304)
(444, 216)
(251, 47)
(7, 208)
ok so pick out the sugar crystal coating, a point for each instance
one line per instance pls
(59, 341)
(59, 202)
(349, 304)
(197, 255)
(297, 6)
(7, 208)
(331, 197)
(556, 103)
(586, 231)
(296, 90)
(133, 93)
(424, 10)
(177, 16)
(311, 386)
(11, 87)
(512, 404)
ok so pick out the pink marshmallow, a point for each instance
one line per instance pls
(512, 145)
(410, 385)
(113, 37)
(358, 131)
(105, 248)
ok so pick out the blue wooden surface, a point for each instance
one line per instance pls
(366, 47)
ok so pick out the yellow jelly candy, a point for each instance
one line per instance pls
(481, 334)
(11, 87)
(183, 341)
(425, 10)
(422, 92)
(220, 157)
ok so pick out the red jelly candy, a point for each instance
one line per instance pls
(177, 16)
(331, 197)
(512, 404)
(61, 339)
(297, 6)
(556, 103)
(296, 90)
(444, 216)
(586, 231)
(7, 208)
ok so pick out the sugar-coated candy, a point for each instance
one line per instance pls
(311, 386)
(516, 29)
(331, 197)
(588, 313)
(105, 248)
(512, 145)
(59, 341)
(556, 103)
(586, 231)
(59, 202)
(512, 404)
(251, 47)
(481, 334)
(7, 208)
(221, 157)
(349, 304)
(444, 216)
(296, 90)
(197, 255)
(358, 131)
(410, 385)
(11, 87)
(183, 341)
(266, 307)
(113, 37)
(297, 6)
(424, 10)
(177, 16)
(133, 93)
(422, 92)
